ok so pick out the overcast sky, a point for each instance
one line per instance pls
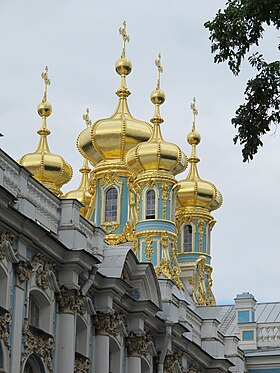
(79, 41)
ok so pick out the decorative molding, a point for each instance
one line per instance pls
(71, 301)
(36, 341)
(200, 232)
(6, 247)
(5, 328)
(198, 281)
(117, 238)
(82, 364)
(108, 324)
(43, 271)
(137, 345)
(23, 270)
(110, 178)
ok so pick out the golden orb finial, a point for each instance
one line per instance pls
(123, 64)
(194, 137)
(158, 96)
(45, 108)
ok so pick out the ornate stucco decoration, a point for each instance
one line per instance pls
(5, 324)
(170, 364)
(194, 369)
(44, 271)
(110, 178)
(202, 283)
(82, 364)
(149, 250)
(23, 270)
(137, 345)
(116, 239)
(71, 301)
(36, 341)
(108, 324)
(6, 247)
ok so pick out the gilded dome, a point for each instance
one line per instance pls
(50, 169)
(157, 154)
(111, 138)
(194, 191)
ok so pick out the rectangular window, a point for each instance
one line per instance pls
(253, 316)
(248, 335)
(243, 316)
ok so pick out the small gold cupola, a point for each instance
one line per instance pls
(156, 153)
(108, 140)
(82, 192)
(193, 191)
(50, 169)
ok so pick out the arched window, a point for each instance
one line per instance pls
(3, 288)
(111, 204)
(34, 312)
(150, 204)
(33, 365)
(187, 243)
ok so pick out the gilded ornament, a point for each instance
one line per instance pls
(164, 268)
(164, 190)
(71, 301)
(37, 342)
(108, 324)
(110, 178)
(200, 232)
(5, 328)
(137, 345)
(211, 301)
(149, 250)
(198, 282)
(170, 364)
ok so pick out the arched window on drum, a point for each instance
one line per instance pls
(187, 238)
(111, 204)
(150, 204)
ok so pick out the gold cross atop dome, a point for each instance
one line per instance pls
(86, 118)
(47, 82)
(195, 113)
(125, 37)
(160, 69)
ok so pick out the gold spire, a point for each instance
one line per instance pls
(194, 191)
(82, 192)
(50, 169)
(158, 96)
(193, 139)
(157, 154)
(125, 37)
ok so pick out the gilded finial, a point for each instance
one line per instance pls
(160, 69)
(47, 82)
(86, 118)
(125, 37)
(195, 113)
(158, 96)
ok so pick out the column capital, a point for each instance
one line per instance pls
(71, 301)
(137, 345)
(108, 324)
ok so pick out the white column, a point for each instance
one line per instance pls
(17, 328)
(134, 364)
(102, 354)
(66, 336)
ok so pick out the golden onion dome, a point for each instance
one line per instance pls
(82, 192)
(50, 169)
(194, 191)
(111, 138)
(156, 153)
